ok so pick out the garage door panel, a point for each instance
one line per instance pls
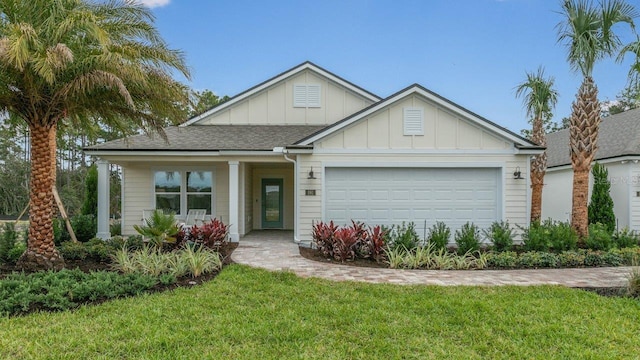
(386, 196)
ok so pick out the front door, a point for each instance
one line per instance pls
(272, 203)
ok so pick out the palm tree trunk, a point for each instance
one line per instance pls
(41, 251)
(583, 143)
(538, 170)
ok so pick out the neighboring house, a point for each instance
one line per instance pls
(618, 151)
(308, 146)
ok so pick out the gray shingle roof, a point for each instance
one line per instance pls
(619, 136)
(213, 138)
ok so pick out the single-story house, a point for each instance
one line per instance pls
(618, 151)
(308, 146)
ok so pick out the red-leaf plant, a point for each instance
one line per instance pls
(211, 234)
(324, 237)
(375, 242)
(345, 245)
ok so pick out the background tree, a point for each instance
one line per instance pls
(539, 98)
(90, 204)
(587, 31)
(73, 61)
(601, 205)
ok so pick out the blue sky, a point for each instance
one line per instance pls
(473, 52)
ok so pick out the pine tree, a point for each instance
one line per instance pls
(601, 205)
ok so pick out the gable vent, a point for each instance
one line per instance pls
(306, 95)
(413, 121)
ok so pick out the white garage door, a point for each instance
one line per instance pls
(389, 196)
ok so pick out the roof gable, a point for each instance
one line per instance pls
(306, 66)
(414, 89)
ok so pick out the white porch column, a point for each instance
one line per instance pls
(103, 200)
(234, 198)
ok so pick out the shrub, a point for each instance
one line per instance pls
(199, 260)
(593, 258)
(600, 208)
(84, 226)
(159, 228)
(60, 233)
(8, 241)
(72, 250)
(612, 258)
(625, 238)
(90, 204)
(346, 241)
(599, 237)
(467, 238)
(536, 237)
(323, 235)
(501, 235)
(630, 255)
(66, 289)
(572, 258)
(633, 281)
(403, 236)
(115, 228)
(98, 249)
(439, 235)
(374, 243)
(14, 254)
(212, 234)
(395, 256)
(502, 260)
(193, 260)
(562, 237)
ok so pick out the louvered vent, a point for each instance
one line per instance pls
(413, 121)
(306, 95)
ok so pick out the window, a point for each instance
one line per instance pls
(413, 121)
(179, 191)
(306, 95)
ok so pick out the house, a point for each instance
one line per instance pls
(308, 145)
(618, 151)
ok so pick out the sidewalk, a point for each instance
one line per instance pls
(281, 254)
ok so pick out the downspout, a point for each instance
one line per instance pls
(296, 220)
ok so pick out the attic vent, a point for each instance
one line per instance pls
(413, 121)
(306, 95)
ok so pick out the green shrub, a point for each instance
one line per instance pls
(115, 228)
(403, 236)
(66, 289)
(98, 250)
(60, 233)
(8, 241)
(191, 260)
(502, 260)
(572, 258)
(14, 254)
(467, 238)
(548, 260)
(84, 226)
(90, 204)
(593, 258)
(630, 255)
(159, 228)
(538, 259)
(625, 238)
(600, 208)
(439, 235)
(612, 258)
(599, 237)
(500, 235)
(536, 237)
(71, 250)
(562, 237)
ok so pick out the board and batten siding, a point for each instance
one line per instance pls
(443, 130)
(274, 105)
(514, 200)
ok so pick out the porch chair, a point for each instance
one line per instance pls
(195, 216)
(146, 214)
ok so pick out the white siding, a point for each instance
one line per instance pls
(275, 105)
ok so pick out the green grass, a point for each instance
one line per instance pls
(253, 314)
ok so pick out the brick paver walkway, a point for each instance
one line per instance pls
(275, 251)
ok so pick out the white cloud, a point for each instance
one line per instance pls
(153, 3)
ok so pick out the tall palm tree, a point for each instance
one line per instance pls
(539, 99)
(587, 31)
(73, 61)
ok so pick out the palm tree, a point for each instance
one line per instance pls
(73, 62)
(539, 99)
(587, 32)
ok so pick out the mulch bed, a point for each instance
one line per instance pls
(316, 255)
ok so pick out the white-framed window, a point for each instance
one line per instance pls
(306, 95)
(413, 121)
(178, 191)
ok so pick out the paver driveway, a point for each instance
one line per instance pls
(276, 251)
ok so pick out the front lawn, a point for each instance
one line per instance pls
(246, 313)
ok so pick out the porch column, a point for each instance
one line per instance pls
(103, 200)
(234, 198)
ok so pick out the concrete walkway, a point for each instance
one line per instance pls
(276, 251)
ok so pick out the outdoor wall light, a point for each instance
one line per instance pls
(311, 174)
(517, 174)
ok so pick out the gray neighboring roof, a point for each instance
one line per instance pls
(619, 135)
(213, 138)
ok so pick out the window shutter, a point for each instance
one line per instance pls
(313, 95)
(299, 95)
(413, 121)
